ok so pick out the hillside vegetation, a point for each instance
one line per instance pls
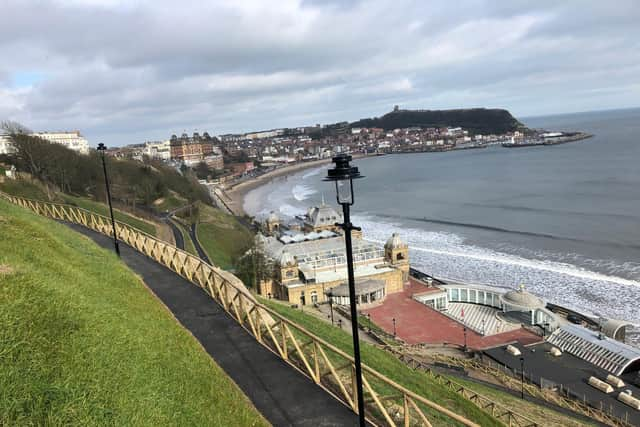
(223, 238)
(83, 342)
(134, 184)
(475, 120)
(33, 189)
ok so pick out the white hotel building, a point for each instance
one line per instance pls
(72, 140)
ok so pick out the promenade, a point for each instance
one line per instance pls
(284, 396)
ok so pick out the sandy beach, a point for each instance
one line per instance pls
(236, 194)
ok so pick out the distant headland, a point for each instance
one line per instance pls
(475, 120)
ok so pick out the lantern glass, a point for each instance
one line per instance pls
(344, 191)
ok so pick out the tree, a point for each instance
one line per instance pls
(202, 170)
(255, 266)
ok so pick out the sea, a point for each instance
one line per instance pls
(562, 220)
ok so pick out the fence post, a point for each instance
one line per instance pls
(354, 388)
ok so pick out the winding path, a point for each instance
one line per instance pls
(283, 395)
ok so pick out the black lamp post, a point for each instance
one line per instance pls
(394, 327)
(522, 378)
(330, 295)
(464, 329)
(343, 175)
(102, 148)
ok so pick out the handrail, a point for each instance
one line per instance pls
(386, 402)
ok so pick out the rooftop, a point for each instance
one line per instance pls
(608, 354)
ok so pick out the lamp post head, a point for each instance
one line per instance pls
(102, 147)
(343, 175)
(342, 170)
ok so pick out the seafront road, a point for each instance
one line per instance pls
(283, 395)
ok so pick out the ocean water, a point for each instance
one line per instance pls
(562, 220)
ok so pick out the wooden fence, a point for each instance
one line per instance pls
(386, 402)
(496, 410)
(559, 398)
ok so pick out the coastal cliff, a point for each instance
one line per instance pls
(475, 120)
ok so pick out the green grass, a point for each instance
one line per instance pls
(532, 410)
(103, 209)
(26, 189)
(188, 243)
(84, 342)
(169, 203)
(222, 236)
(32, 190)
(388, 365)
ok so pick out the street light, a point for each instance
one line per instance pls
(102, 148)
(343, 175)
(330, 295)
(522, 378)
(464, 329)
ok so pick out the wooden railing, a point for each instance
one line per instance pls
(553, 397)
(386, 402)
(487, 404)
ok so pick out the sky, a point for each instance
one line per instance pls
(129, 71)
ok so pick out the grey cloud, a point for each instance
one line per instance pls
(123, 72)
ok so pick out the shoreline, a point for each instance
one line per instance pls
(236, 194)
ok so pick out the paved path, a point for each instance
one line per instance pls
(283, 395)
(177, 234)
(194, 238)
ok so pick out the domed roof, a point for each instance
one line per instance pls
(522, 298)
(273, 217)
(286, 259)
(395, 242)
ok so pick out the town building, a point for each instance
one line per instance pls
(6, 145)
(160, 150)
(191, 150)
(73, 140)
(310, 265)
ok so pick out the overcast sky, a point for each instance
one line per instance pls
(128, 71)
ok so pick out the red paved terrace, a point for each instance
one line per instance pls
(418, 324)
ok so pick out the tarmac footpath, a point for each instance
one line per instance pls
(283, 395)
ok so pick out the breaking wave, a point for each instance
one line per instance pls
(302, 192)
(446, 255)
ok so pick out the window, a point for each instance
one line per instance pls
(314, 297)
(463, 295)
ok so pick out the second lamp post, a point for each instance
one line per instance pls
(102, 148)
(343, 175)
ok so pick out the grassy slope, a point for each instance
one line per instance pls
(222, 236)
(31, 190)
(169, 203)
(83, 342)
(103, 209)
(388, 365)
(552, 418)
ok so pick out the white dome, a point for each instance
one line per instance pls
(395, 242)
(522, 298)
(286, 259)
